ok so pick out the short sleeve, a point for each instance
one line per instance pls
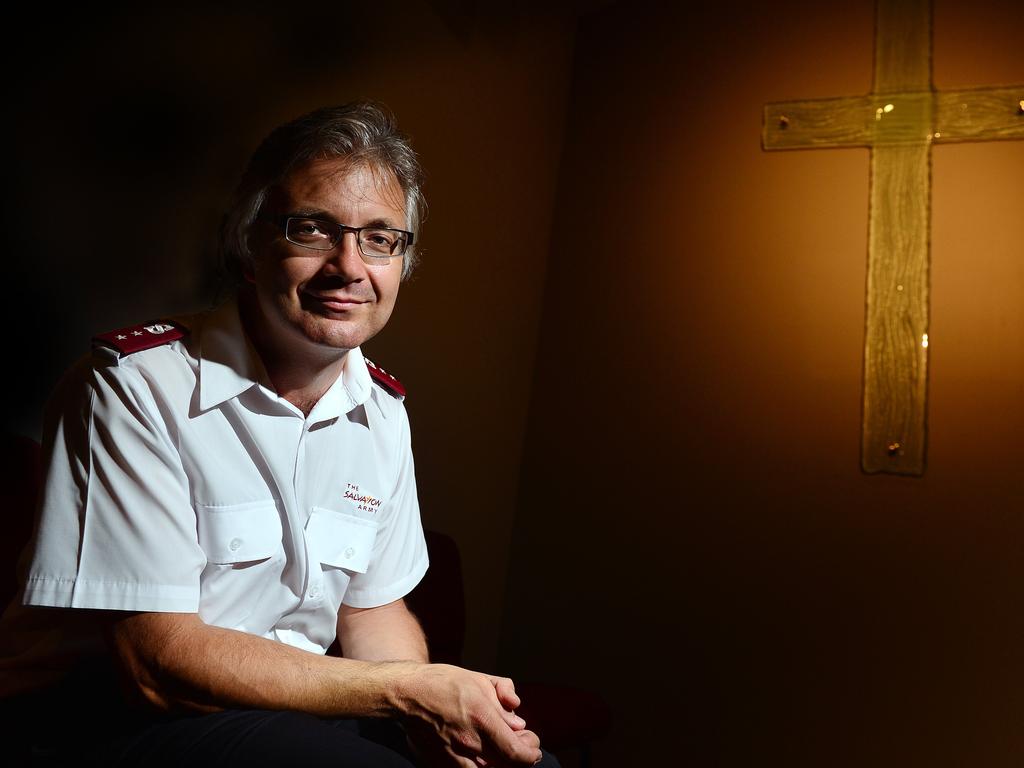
(400, 552)
(117, 529)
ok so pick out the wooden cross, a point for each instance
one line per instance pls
(898, 121)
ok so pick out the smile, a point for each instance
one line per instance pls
(334, 302)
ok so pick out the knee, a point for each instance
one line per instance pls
(257, 738)
(318, 743)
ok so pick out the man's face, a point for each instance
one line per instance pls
(331, 299)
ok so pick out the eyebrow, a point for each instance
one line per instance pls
(319, 213)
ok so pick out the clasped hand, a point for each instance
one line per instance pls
(457, 717)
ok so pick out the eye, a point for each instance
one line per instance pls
(308, 227)
(382, 243)
(310, 232)
(380, 237)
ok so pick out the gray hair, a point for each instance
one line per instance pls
(361, 131)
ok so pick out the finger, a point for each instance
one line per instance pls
(512, 720)
(430, 749)
(530, 742)
(459, 759)
(529, 738)
(505, 747)
(506, 691)
(515, 755)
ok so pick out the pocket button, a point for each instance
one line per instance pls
(235, 544)
(349, 552)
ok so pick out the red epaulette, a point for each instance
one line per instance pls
(136, 338)
(389, 383)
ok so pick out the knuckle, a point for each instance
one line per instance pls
(466, 743)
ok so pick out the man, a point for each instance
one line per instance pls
(225, 493)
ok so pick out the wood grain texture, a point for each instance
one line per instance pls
(894, 430)
(939, 117)
(979, 114)
(855, 121)
(903, 46)
(896, 327)
(819, 123)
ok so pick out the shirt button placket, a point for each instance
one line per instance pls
(314, 575)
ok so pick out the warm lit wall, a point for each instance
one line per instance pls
(694, 537)
(133, 126)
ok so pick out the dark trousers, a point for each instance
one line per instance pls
(83, 721)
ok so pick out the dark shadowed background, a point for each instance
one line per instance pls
(633, 348)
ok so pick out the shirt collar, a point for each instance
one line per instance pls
(350, 390)
(229, 365)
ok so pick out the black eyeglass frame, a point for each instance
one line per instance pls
(282, 222)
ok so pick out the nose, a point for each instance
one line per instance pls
(345, 260)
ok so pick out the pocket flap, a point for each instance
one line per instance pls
(238, 533)
(341, 539)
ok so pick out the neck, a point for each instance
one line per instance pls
(300, 374)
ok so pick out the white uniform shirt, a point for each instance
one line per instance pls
(180, 481)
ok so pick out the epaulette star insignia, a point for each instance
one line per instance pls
(388, 383)
(136, 338)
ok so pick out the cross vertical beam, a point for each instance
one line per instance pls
(895, 392)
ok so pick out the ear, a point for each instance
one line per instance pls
(248, 261)
(248, 272)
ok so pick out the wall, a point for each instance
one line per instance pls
(681, 379)
(694, 537)
(132, 127)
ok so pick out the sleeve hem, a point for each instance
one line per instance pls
(371, 598)
(116, 596)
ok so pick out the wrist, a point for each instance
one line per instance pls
(403, 679)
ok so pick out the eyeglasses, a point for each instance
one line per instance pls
(377, 245)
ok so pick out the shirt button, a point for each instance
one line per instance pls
(235, 544)
(314, 592)
(349, 552)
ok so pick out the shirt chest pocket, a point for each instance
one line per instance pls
(341, 540)
(239, 533)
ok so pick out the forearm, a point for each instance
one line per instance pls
(386, 633)
(177, 662)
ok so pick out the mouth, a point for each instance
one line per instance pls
(335, 302)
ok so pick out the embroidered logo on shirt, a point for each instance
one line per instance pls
(363, 501)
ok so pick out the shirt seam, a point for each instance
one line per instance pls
(88, 483)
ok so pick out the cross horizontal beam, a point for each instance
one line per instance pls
(876, 120)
